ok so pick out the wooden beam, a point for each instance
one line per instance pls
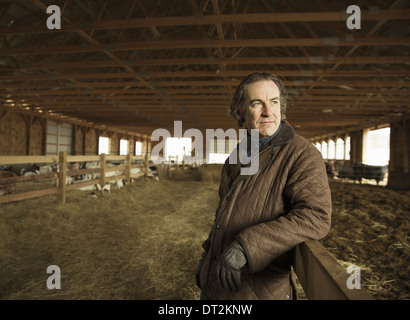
(213, 83)
(196, 74)
(27, 195)
(312, 60)
(195, 44)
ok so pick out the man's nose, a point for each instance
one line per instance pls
(267, 110)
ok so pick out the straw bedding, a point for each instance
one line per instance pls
(144, 241)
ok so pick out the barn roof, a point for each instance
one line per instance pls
(141, 65)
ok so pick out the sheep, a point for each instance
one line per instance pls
(30, 170)
(11, 188)
(68, 180)
(106, 189)
(119, 184)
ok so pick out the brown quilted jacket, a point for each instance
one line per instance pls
(285, 203)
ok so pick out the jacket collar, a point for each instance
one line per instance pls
(284, 136)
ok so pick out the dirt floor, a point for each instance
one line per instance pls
(144, 241)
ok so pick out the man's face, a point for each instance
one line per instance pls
(262, 107)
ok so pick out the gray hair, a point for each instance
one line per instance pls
(237, 107)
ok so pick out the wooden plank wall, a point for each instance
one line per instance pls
(25, 133)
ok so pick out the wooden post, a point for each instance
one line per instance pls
(160, 171)
(146, 159)
(62, 173)
(43, 123)
(146, 164)
(102, 169)
(128, 169)
(29, 126)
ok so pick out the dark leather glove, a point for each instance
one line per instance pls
(229, 268)
(198, 269)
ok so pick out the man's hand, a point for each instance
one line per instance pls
(229, 268)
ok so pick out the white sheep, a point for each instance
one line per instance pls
(119, 184)
(106, 188)
(68, 180)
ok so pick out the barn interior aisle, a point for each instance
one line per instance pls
(144, 241)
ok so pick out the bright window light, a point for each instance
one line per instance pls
(178, 147)
(324, 150)
(103, 145)
(347, 149)
(123, 147)
(377, 147)
(340, 145)
(138, 148)
(332, 149)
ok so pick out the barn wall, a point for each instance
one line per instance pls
(78, 140)
(37, 138)
(399, 171)
(115, 144)
(23, 133)
(91, 142)
(13, 135)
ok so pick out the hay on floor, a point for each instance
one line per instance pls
(144, 241)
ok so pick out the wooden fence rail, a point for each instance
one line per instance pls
(322, 276)
(61, 160)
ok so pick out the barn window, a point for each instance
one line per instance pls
(138, 148)
(221, 148)
(318, 146)
(340, 149)
(376, 147)
(324, 150)
(59, 137)
(331, 150)
(177, 148)
(347, 149)
(123, 147)
(103, 145)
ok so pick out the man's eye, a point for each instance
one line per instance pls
(256, 104)
(274, 102)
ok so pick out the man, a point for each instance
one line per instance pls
(262, 217)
